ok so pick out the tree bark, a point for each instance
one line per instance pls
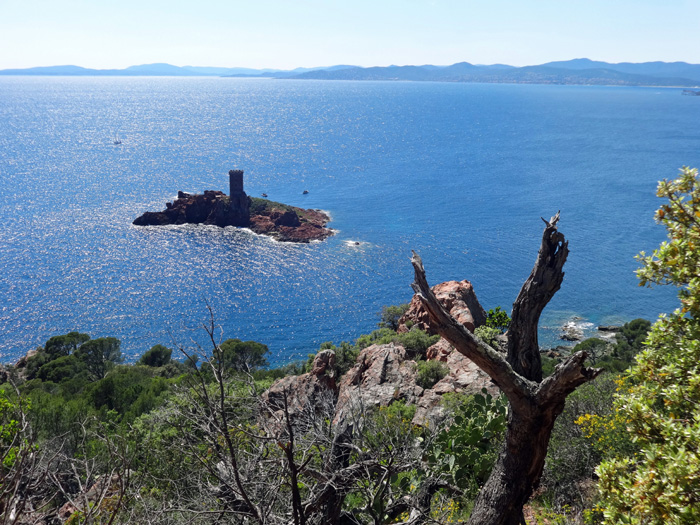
(533, 404)
(539, 288)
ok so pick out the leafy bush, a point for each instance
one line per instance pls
(416, 342)
(630, 340)
(390, 316)
(377, 337)
(63, 345)
(62, 369)
(660, 483)
(157, 356)
(498, 319)
(100, 355)
(548, 365)
(488, 335)
(430, 372)
(595, 347)
(466, 450)
(244, 356)
(574, 451)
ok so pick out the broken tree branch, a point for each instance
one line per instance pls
(539, 288)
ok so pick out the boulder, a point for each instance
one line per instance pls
(457, 297)
(463, 377)
(381, 375)
(571, 332)
(609, 328)
(310, 391)
(285, 218)
(22, 361)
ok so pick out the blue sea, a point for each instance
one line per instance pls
(461, 173)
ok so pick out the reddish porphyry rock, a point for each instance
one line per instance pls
(457, 297)
(22, 361)
(211, 207)
(381, 376)
(464, 377)
(290, 224)
(306, 391)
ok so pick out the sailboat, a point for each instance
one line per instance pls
(117, 141)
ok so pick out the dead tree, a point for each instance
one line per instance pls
(534, 404)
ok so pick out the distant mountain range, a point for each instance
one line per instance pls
(162, 70)
(580, 71)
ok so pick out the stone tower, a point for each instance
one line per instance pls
(235, 179)
(239, 203)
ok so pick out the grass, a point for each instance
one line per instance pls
(260, 206)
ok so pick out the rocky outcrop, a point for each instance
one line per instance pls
(211, 207)
(291, 224)
(381, 375)
(312, 391)
(284, 223)
(463, 377)
(457, 297)
(571, 332)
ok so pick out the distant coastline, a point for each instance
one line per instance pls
(580, 71)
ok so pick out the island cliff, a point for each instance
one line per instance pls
(280, 221)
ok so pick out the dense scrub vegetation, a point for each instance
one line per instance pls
(162, 421)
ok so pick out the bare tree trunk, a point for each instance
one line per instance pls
(534, 404)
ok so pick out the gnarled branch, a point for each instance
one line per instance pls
(539, 288)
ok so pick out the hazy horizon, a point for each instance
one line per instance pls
(272, 34)
(265, 68)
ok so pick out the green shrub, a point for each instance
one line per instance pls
(390, 316)
(548, 365)
(157, 356)
(416, 342)
(498, 319)
(62, 345)
(488, 335)
(377, 337)
(466, 449)
(430, 372)
(572, 456)
(595, 347)
(244, 356)
(100, 355)
(630, 340)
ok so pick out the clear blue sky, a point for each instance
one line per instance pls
(285, 34)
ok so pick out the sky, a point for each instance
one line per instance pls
(285, 34)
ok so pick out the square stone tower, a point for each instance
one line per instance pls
(235, 179)
(238, 213)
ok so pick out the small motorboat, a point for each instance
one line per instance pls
(305, 192)
(264, 195)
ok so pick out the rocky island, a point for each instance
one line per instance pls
(280, 221)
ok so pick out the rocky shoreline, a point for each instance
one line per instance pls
(282, 222)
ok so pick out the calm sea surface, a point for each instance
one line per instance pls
(459, 172)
